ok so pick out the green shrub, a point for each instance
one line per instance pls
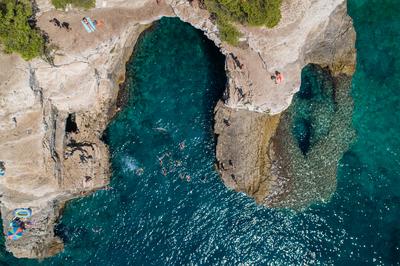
(247, 12)
(228, 32)
(16, 35)
(86, 4)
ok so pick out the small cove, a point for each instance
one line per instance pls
(148, 218)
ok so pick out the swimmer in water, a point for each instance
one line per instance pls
(139, 171)
(97, 230)
(160, 129)
(164, 171)
(182, 145)
(160, 159)
(188, 178)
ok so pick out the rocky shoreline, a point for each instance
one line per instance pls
(51, 140)
(249, 157)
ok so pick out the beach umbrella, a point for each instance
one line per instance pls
(14, 233)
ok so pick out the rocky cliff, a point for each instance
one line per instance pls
(318, 32)
(53, 112)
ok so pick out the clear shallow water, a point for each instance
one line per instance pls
(314, 133)
(154, 219)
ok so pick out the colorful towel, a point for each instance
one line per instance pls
(88, 24)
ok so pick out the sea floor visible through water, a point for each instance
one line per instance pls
(168, 206)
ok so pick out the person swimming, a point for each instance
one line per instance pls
(139, 171)
(160, 129)
(107, 188)
(182, 145)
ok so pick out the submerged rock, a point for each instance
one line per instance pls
(311, 138)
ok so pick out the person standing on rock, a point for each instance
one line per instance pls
(278, 77)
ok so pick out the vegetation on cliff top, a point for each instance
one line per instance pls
(17, 34)
(86, 4)
(250, 12)
(228, 32)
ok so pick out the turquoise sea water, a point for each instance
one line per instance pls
(149, 218)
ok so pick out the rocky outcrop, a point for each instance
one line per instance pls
(297, 41)
(243, 150)
(53, 113)
(318, 32)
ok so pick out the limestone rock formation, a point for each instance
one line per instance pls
(53, 112)
(301, 38)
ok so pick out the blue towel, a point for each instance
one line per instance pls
(91, 23)
(87, 28)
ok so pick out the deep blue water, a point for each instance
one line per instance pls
(155, 215)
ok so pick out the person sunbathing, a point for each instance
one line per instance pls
(99, 23)
(278, 77)
(88, 24)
